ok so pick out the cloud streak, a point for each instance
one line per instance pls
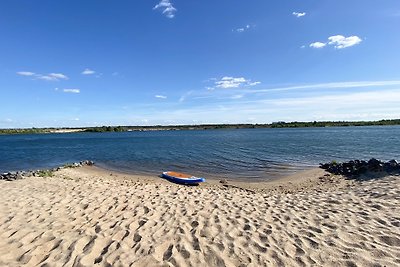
(369, 105)
(245, 93)
(335, 85)
(160, 96)
(48, 77)
(72, 91)
(88, 72)
(25, 73)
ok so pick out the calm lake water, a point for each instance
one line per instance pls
(238, 154)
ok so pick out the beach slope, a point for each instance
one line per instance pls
(86, 217)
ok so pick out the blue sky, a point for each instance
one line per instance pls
(90, 63)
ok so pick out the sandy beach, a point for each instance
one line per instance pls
(92, 217)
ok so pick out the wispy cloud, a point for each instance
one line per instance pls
(160, 96)
(338, 41)
(299, 14)
(25, 73)
(167, 8)
(48, 77)
(56, 76)
(319, 88)
(232, 82)
(345, 98)
(72, 91)
(344, 105)
(242, 29)
(6, 121)
(335, 85)
(236, 96)
(253, 83)
(186, 95)
(88, 72)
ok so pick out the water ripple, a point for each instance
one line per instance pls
(241, 154)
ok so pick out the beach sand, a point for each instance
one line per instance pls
(92, 217)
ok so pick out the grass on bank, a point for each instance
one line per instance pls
(45, 173)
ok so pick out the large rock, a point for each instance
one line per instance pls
(375, 165)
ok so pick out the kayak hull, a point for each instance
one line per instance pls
(181, 178)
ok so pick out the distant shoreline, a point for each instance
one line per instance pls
(281, 124)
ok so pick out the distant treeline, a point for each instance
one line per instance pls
(107, 129)
(25, 131)
(333, 123)
(280, 124)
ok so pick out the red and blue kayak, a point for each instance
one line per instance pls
(182, 178)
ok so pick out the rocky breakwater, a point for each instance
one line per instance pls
(17, 175)
(355, 168)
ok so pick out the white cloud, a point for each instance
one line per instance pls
(340, 42)
(232, 82)
(72, 91)
(25, 73)
(88, 72)
(242, 29)
(48, 77)
(160, 96)
(167, 8)
(317, 45)
(299, 14)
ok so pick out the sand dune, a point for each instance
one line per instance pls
(85, 217)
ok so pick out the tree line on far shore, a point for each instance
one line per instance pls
(280, 124)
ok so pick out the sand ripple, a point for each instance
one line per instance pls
(86, 221)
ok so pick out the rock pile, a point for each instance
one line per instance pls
(11, 176)
(78, 164)
(358, 167)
